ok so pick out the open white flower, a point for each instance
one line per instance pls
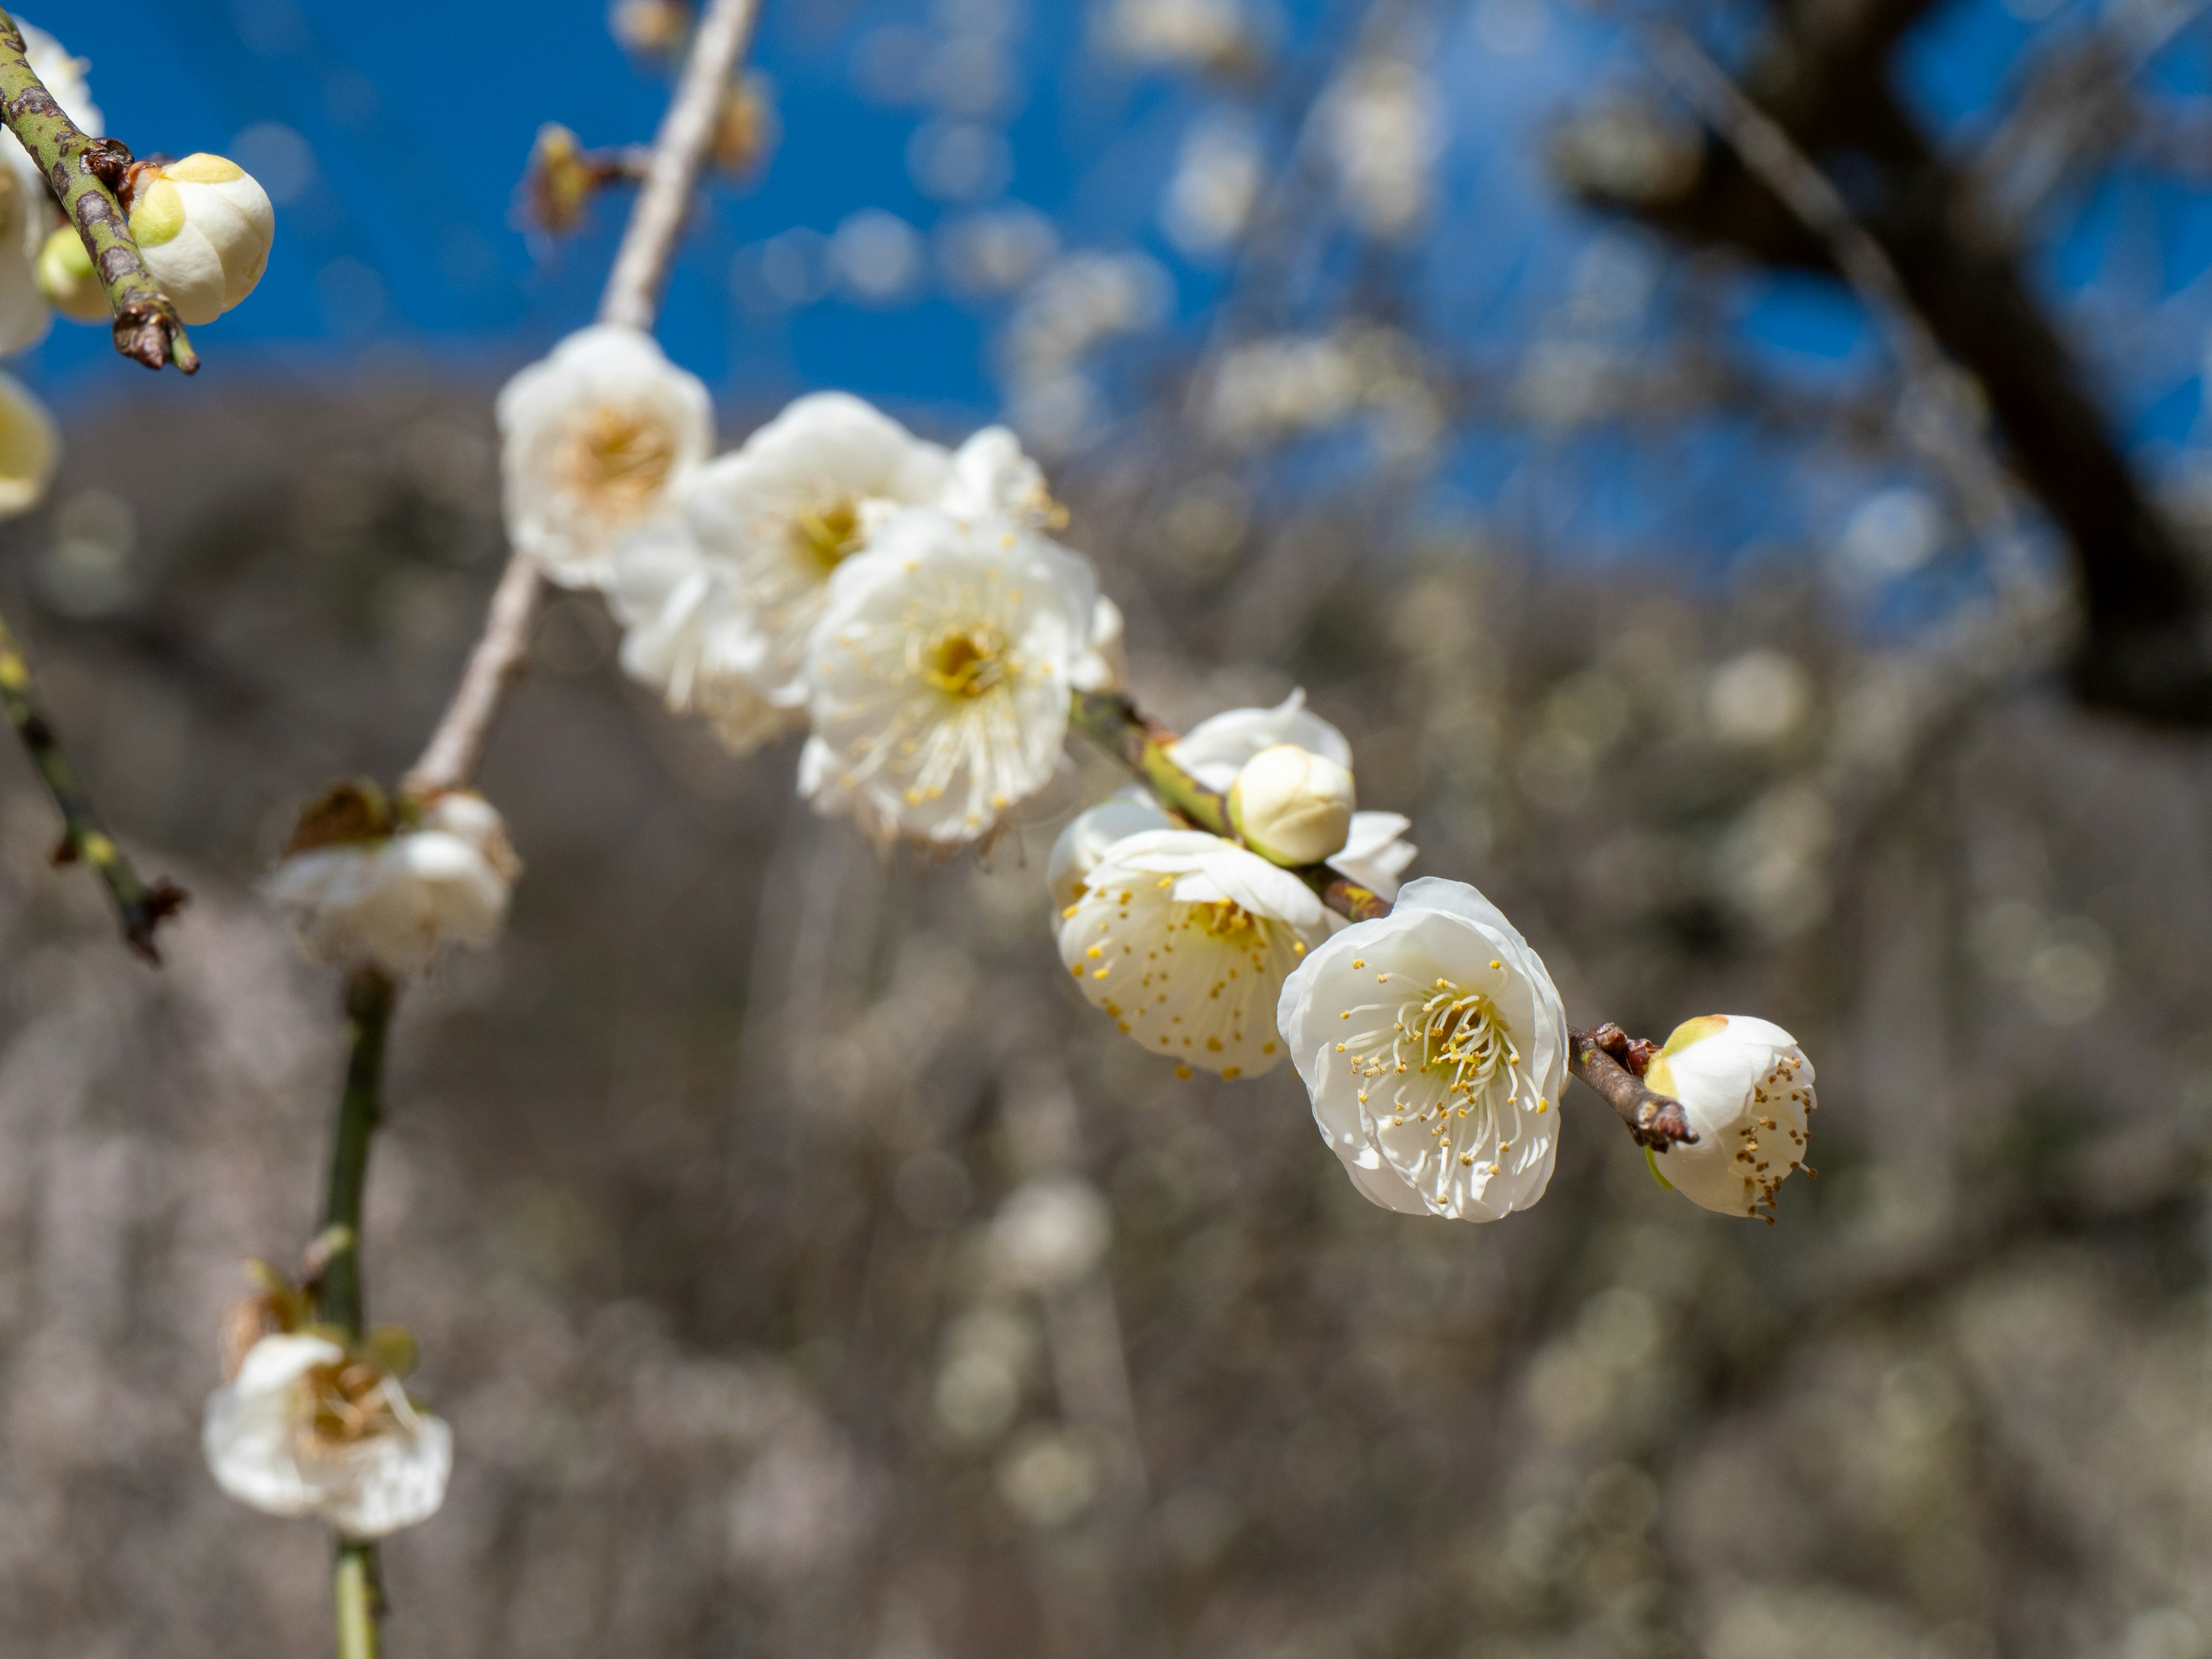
(306, 1429)
(940, 676)
(776, 518)
(395, 900)
(25, 220)
(1091, 833)
(29, 448)
(593, 440)
(1374, 852)
(204, 227)
(1746, 1088)
(1435, 1047)
(1185, 939)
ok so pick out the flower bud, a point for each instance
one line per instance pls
(66, 279)
(1746, 1088)
(204, 227)
(1292, 806)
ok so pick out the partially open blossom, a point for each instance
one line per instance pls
(205, 228)
(774, 520)
(1746, 1088)
(593, 440)
(364, 889)
(940, 676)
(29, 447)
(1434, 1045)
(1292, 806)
(1104, 665)
(66, 280)
(63, 76)
(307, 1428)
(1185, 939)
(990, 476)
(1214, 751)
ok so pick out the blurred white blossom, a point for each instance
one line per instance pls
(395, 898)
(996, 250)
(1049, 1233)
(1758, 698)
(1189, 34)
(595, 439)
(940, 676)
(1184, 939)
(1385, 127)
(1433, 1043)
(1216, 185)
(63, 76)
(877, 257)
(1746, 1088)
(30, 448)
(1268, 389)
(305, 1428)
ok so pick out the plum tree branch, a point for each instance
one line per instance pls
(82, 171)
(632, 294)
(140, 908)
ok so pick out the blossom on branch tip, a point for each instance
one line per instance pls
(940, 676)
(307, 1428)
(29, 448)
(1214, 751)
(364, 889)
(595, 438)
(1434, 1046)
(1746, 1088)
(774, 520)
(1292, 805)
(1185, 940)
(204, 227)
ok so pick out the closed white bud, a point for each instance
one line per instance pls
(204, 227)
(1292, 806)
(66, 279)
(1746, 1088)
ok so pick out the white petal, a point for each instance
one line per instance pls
(251, 1430)
(393, 1479)
(1215, 750)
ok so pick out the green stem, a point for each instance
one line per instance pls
(1141, 744)
(139, 908)
(82, 171)
(369, 997)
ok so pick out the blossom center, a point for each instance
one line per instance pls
(1446, 1056)
(351, 1404)
(830, 535)
(1230, 922)
(965, 662)
(621, 457)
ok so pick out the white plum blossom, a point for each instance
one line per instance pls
(1434, 1046)
(1049, 1233)
(305, 1428)
(1185, 940)
(595, 439)
(1091, 833)
(204, 227)
(940, 676)
(1374, 853)
(1746, 1088)
(25, 220)
(774, 520)
(1385, 127)
(1292, 806)
(65, 280)
(395, 900)
(990, 477)
(29, 448)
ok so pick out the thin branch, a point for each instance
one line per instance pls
(82, 172)
(1654, 1119)
(369, 997)
(138, 907)
(633, 291)
(1937, 416)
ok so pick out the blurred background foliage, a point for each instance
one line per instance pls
(804, 1269)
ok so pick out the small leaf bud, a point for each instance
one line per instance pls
(204, 227)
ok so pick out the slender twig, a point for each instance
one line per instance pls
(1654, 1119)
(1938, 416)
(138, 907)
(82, 171)
(632, 295)
(335, 1255)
